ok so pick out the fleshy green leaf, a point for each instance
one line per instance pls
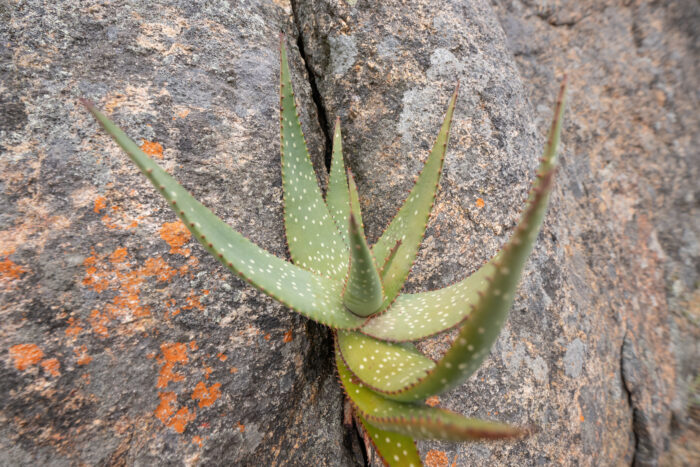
(355, 200)
(314, 242)
(415, 316)
(383, 366)
(313, 296)
(389, 260)
(410, 222)
(487, 316)
(338, 196)
(415, 420)
(395, 450)
(363, 292)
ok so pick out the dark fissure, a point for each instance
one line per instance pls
(353, 440)
(315, 94)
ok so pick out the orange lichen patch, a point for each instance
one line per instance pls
(99, 323)
(193, 302)
(159, 268)
(435, 458)
(81, 354)
(73, 329)
(109, 223)
(197, 440)
(233, 370)
(480, 203)
(100, 203)
(206, 397)
(582, 418)
(10, 271)
(241, 427)
(94, 279)
(432, 401)
(118, 255)
(181, 419)
(51, 366)
(118, 219)
(287, 337)
(166, 375)
(176, 235)
(115, 272)
(193, 345)
(25, 355)
(222, 356)
(166, 407)
(267, 337)
(170, 314)
(207, 371)
(153, 149)
(173, 353)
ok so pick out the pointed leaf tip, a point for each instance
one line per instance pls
(411, 221)
(87, 103)
(363, 292)
(318, 298)
(481, 301)
(314, 242)
(417, 420)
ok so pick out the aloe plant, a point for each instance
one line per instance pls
(338, 280)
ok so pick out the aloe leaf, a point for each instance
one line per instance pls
(363, 293)
(416, 420)
(486, 318)
(383, 366)
(355, 200)
(338, 196)
(416, 316)
(314, 242)
(313, 296)
(394, 449)
(410, 222)
(389, 259)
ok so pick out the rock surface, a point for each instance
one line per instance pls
(597, 353)
(124, 343)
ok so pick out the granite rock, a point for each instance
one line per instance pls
(123, 343)
(597, 353)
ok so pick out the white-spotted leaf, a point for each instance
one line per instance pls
(314, 242)
(316, 297)
(412, 219)
(417, 420)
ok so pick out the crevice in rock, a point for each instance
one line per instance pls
(628, 390)
(645, 453)
(315, 93)
(353, 440)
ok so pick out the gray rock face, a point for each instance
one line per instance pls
(635, 139)
(124, 343)
(586, 353)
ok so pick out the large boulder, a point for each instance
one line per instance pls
(592, 354)
(123, 342)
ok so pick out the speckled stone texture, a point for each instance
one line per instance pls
(636, 134)
(122, 342)
(602, 342)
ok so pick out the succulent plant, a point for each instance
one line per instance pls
(338, 280)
